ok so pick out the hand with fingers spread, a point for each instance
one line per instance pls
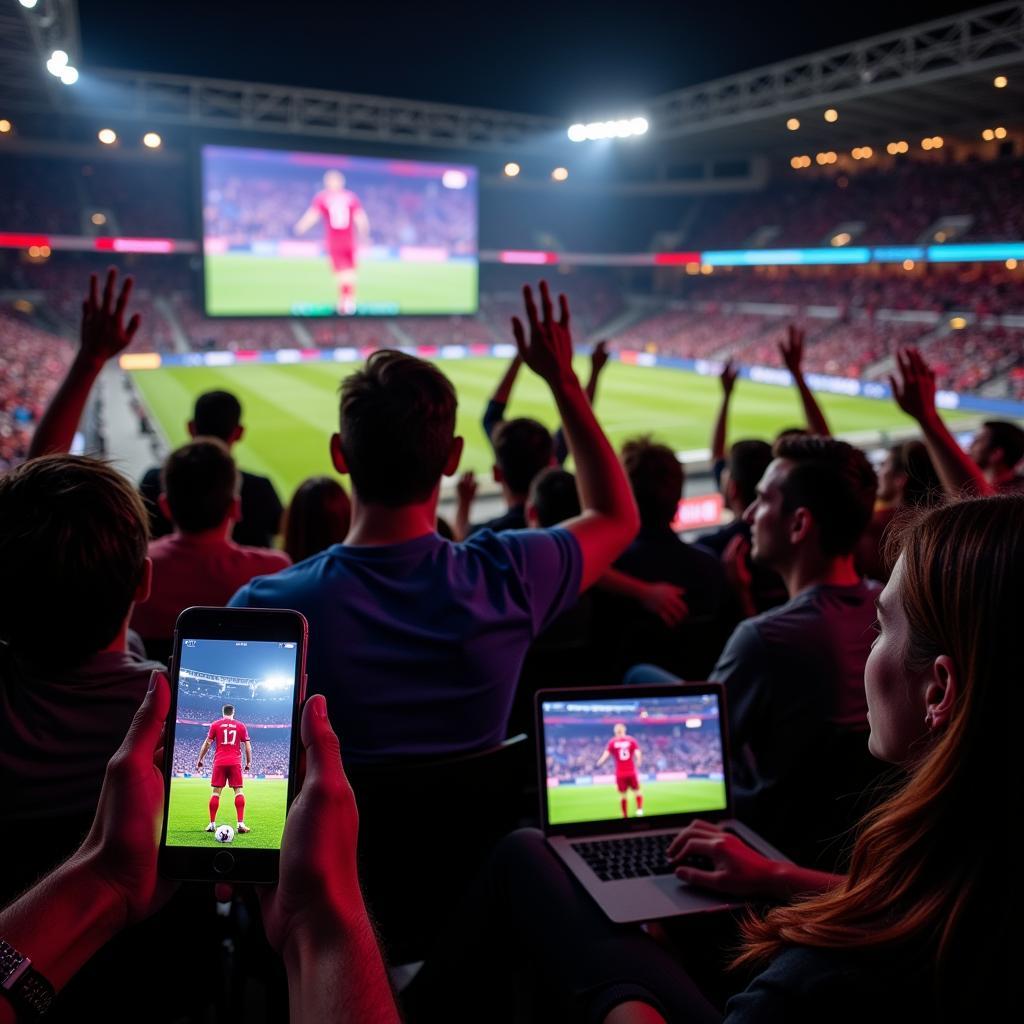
(728, 377)
(599, 358)
(792, 350)
(667, 602)
(104, 333)
(121, 846)
(546, 342)
(913, 387)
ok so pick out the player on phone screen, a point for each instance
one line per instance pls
(345, 225)
(627, 755)
(229, 734)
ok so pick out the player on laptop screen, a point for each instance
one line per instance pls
(344, 217)
(229, 734)
(627, 754)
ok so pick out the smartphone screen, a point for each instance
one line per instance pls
(233, 746)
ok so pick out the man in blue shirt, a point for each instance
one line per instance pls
(417, 642)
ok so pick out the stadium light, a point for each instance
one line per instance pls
(843, 238)
(619, 128)
(512, 169)
(560, 174)
(1000, 133)
(1000, 81)
(107, 136)
(5, 126)
(99, 219)
(831, 115)
(29, 4)
(277, 682)
(988, 135)
(793, 124)
(908, 264)
(151, 140)
(69, 75)
(1011, 264)
(958, 323)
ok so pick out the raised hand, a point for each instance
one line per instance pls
(546, 343)
(792, 349)
(103, 333)
(121, 846)
(598, 358)
(728, 376)
(666, 601)
(735, 563)
(727, 863)
(466, 488)
(913, 387)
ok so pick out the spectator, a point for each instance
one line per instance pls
(420, 641)
(552, 499)
(998, 448)
(219, 414)
(317, 517)
(198, 564)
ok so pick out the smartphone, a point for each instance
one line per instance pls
(238, 681)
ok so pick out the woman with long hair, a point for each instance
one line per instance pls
(317, 517)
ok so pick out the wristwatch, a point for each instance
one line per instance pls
(28, 991)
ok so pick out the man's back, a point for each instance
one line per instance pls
(418, 646)
(261, 509)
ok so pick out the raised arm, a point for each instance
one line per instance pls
(598, 361)
(103, 335)
(718, 434)
(913, 388)
(307, 220)
(609, 520)
(465, 491)
(494, 413)
(792, 352)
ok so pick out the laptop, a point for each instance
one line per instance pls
(621, 771)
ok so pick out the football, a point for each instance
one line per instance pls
(224, 834)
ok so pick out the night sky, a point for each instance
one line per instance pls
(564, 59)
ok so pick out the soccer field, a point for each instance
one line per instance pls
(290, 411)
(264, 813)
(594, 803)
(242, 285)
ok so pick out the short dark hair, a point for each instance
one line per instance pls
(73, 539)
(201, 483)
(317, 517)
(1007, 436)
(923, 486)
(397, 427)
(835, 482)
(747, 462)
(217, 414)
(657, 479)
(228, 709)
(522, 448)
(553, 496)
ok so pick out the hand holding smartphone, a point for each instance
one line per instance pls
(237, 688)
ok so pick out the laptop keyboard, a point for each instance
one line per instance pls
(631, 857)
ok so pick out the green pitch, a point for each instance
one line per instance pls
(595, 803)
(189, 813)
(238, 284)
(290, 411)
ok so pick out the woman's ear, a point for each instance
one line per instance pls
(941, 692)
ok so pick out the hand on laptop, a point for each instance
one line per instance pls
(735, 868)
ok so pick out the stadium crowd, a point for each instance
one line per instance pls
(418, 643)
(270, 749)
(678, 750)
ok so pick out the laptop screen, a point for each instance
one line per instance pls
(619, 757)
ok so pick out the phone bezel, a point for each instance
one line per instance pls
(273, 625)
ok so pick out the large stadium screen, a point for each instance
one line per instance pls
(232, 742)
(318, 234)
(621, 758)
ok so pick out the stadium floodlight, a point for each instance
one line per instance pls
(512, 169)
(277, 683)
(454, 179)
(1000, 133)
(560, 174)
(793, 124)
(29, 4)
(640, 125)
(988, 135)
(577, 132)
(1011, 264)
(831, 115)
(99, 219)
(618, 128)
(107, 136)
(1000, 81)
(69, 74)
(151, 140)
(5, 126)
(57, 63)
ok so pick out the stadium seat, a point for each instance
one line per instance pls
(425, 828)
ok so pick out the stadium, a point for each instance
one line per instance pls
(548, 349)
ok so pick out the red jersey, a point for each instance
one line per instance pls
(229, 734)
(338, 208)
(622, 749)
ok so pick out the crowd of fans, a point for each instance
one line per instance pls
(270, 748)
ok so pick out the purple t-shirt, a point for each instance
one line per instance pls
(418, 646)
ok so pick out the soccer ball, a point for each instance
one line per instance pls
(224, 834)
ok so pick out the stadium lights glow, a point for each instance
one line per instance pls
(908, 264)
(1000, 81)
(800, 161)
(622, 128)
(69, 75)
(940, 236)
(277, 683)
(1011, 264)
(512, 169)
(896, 148)
(958, 323)
(706, 269)
(831, 115)
(28, 3)
(843, 238)
(862, 153)
(1000, 133)
(151, 140)
(988, 135)
(560, 174)
(793, 124)
(827, 158)
(107, 136)
(99, 219)
(5, 126)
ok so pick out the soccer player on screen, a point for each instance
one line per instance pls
(344, 219)
(229, 735)
(627, 755)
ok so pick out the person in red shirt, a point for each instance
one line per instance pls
(345, 227)
(627, 755)
(229, 735)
